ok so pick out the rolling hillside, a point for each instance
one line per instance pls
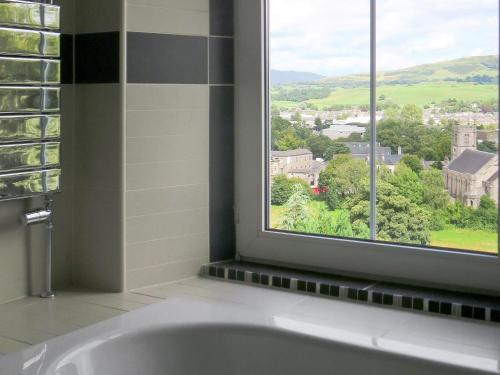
(281, 77)
(467, 79)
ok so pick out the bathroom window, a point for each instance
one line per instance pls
(378, 144)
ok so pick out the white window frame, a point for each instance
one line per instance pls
(419, 266)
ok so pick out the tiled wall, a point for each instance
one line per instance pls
(178, 100)
(97, 256)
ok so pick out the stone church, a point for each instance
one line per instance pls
(471, 173)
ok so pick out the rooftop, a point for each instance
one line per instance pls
(298, 152)
(470, 161)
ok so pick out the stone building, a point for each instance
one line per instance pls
(296, 163)
(471, 173)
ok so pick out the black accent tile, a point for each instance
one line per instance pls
(241, 275)
(222, 228)
(418, 304)
(363, 295)
(434, 307)
(388, 299)
(212, 271)
(445, 308)
(221, 61)
(352, 293)
(324, 289)
(495, 316)
(67, 59)
(231, 274)
(334, 291)
(285, 283)
(264, 279)
(302, 285)
(311, 287)
(97, 58)
(377, 297)
(220, 272)
(277, 281)
(406, 302)
(467, 311)
(222, 17)
(479, 313)
(255, 278)
(162, 58)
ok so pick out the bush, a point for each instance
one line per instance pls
(282, 189)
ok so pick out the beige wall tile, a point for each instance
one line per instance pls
(171, 122)
(166, 97)
(153, 253)
(164, 273)
(155, 201)
(201, 5)
(164, 174)
(165, 20)
(154, 227)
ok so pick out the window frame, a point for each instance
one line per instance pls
(403, 263)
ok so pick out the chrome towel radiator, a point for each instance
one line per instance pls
(30, 121)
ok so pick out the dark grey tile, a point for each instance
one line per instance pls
(67, 61)
(479, 313)
(445, 308)
(334, 291)
(302, 285)
(434, 307)
(363, 295)
(264, 279)
(241, 275)
(222, 228)
(324, 289)
(352, 293)
(377, 297)
(495, 316)
(221, 61)
(231, 274)
(97, 58)
(388, 299)
(406, 302)
(221, 272)
(311, 287)
(285, 283)
(212, 271)
(161, 58)
(276, 281)
(418, 304)
(222, 17)
(255, 278)
(467, 311)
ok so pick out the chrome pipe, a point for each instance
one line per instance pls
(41, 216)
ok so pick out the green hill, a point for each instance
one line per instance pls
(468, 79)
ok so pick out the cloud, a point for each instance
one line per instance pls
(333, 37)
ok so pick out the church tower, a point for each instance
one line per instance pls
(464, 137)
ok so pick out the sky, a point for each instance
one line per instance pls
(332, 37)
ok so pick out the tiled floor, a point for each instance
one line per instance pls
(33, 320)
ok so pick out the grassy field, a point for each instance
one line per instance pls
(419, 94)
(453, 238)
(465, 238)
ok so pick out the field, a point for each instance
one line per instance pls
(419, 94)
(454, 238)
(466, 238)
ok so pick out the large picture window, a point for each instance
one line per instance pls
(383, 121)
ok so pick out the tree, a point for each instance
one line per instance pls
(346, 174)
(486, 216)
(435, 194)
(282, 189)
(288, 140)
(336, 148)
(295, 213)
(412, 114)
(318, 124)
(487, 146)
(407, 183)
(414, 162)
(318, 145)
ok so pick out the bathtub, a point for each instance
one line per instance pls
(192, 337)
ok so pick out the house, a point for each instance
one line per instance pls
(296, 163)
(361, 150)
(471, 173)
(343, 131)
